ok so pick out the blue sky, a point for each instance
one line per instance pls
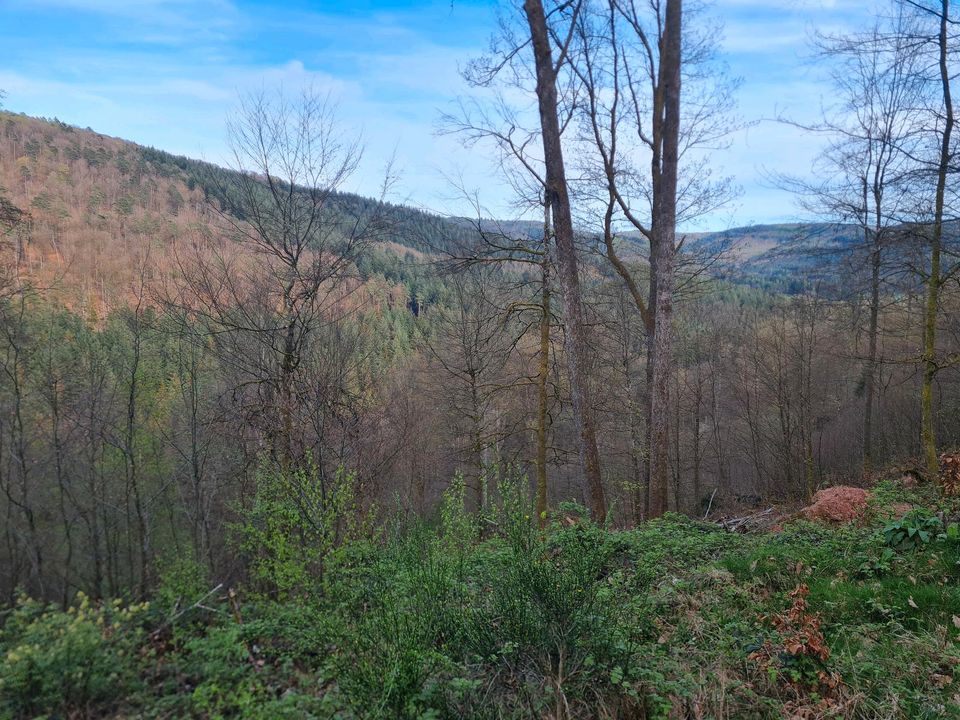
(168, 72)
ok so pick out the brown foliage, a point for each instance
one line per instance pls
(838, 504)
(950, 473)
(802, 640)
(801, 628)
(94, 215)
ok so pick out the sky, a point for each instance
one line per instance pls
(168, 73)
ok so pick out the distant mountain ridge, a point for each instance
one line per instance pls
(97, 205)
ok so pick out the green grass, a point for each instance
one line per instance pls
(674, 619)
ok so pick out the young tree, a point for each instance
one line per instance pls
(499, 246)
(283, 265)
(866, 173)
(470, 355)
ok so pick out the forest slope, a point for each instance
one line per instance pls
(102, 212)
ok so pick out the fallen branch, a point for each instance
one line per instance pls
(178, 613)
(745, 522)
(710, 504)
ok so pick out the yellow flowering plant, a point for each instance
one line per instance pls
(60, 662)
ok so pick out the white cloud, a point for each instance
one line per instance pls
(391, 79)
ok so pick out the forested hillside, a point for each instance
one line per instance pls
(420, 365)
(99, 210)
(269, 448)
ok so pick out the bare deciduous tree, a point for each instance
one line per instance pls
(283, 266)
(866, 173)
(631, 59)
(558, 199)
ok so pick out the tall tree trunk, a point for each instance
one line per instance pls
(544, 374)
(94, 494)
(806, 401)
(638, 435)
(477, 449)
(131, 452)
(697, 454)
(676, 446)
(665, 209)
(559, 199)
(870, 374)
(717, 436)
(288, 365)
(928, 430)
(647, 396)
(62, 483)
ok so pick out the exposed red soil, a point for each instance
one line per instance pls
(838, 504)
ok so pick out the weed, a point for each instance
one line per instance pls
(916, 528)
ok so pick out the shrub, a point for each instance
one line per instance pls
(296, 520)
(183, 581)
(78, 662)
(917, 527)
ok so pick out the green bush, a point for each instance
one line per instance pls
(296, 520)
(78, 662)
(183, 581)
(918, 527)
(506, 627)
(483, 615)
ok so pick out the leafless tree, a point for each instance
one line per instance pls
(283, 265)
(631, 59)
(865, 175)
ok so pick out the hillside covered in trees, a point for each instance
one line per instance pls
(269, 448)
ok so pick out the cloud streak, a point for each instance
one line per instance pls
(168, 72)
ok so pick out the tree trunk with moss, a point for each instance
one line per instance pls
(934, 281)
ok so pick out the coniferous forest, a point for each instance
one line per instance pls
(270, 448)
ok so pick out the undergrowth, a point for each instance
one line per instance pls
(487, 617)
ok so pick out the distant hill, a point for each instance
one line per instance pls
(98, 208)
(785, 257)
(753, 242)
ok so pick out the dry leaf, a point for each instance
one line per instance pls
(941, 681)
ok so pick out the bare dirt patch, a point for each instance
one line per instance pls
(838, 504)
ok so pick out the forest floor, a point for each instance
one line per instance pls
(674, 619)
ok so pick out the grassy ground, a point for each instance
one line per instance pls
(675, 619)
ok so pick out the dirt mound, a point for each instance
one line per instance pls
(838, 504)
